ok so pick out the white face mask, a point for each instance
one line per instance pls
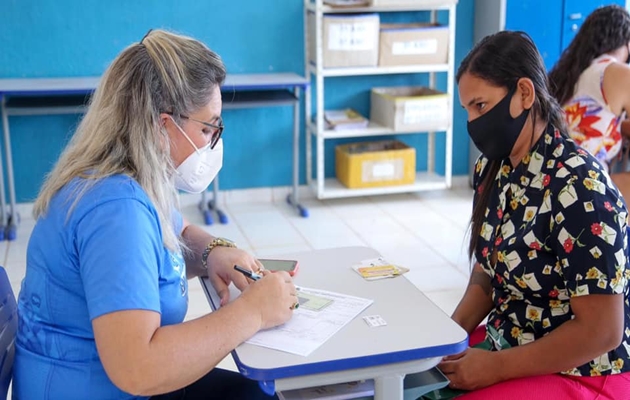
(195, 174)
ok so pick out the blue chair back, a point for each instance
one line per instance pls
(8, 330)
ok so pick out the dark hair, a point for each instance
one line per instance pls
(501, 60)
(604, 30)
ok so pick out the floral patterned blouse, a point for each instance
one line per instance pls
(591, 122)
(558, 227)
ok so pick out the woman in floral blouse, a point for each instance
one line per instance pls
(591, 81)
(549, 240)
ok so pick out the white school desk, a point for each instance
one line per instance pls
(40, 96)
(416, 336)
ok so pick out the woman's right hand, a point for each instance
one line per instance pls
(273, 297)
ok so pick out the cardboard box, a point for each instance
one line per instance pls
(410, 109)
(413, 44)
(347, 41)
(373, 164)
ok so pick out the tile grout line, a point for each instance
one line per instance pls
(345, 222)
(238, 226)
(256, 248)
(308, 243)
(412, 233)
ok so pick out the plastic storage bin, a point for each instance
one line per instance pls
(373, 164)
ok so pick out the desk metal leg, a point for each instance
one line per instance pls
(3, 203)
(389, 387)
(292, 198)
(12, 217)
(203, 208)
(207, 206)
(212, 204)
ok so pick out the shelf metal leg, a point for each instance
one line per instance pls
(292, 198)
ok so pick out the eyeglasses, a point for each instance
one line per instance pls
(217, 130)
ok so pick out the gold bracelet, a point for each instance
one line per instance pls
(223, 242)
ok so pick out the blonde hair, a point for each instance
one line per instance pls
(121, 132)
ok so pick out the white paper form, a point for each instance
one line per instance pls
(309, 329)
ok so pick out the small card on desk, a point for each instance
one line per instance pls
(374, 320)
(378, 268)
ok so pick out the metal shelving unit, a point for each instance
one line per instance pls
(331, 187)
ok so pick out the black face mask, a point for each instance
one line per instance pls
(495, 132)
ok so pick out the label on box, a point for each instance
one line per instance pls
(383, 170)
(423, 111)
(414, 47)
(357, 36)
(389, 170)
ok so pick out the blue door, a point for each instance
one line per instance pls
(575, 11)
(541, 19)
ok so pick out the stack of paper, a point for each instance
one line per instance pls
(321, 314)
(344, 119)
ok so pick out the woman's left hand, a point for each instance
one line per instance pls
(221, 272)
(472, 369)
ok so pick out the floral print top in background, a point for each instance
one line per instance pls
(592, 124)
(558, 227)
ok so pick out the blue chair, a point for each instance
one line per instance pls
(8, 330)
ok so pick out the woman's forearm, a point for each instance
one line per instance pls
(198, 345)
(157, 360)
(477, 301)
(572, 344)
(196, 240)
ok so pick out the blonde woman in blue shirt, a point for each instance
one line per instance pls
(102, 305)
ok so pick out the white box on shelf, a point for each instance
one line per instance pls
(347, 40)
(404, 113)
(410, 108)
(413, 44)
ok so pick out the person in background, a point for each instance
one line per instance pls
(102, 305)
(591, 81)
(548, 240)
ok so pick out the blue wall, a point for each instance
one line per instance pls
(44, 38)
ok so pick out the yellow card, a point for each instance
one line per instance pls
(378, 271)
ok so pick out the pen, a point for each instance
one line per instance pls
(251, 275)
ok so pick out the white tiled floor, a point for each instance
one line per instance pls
(425, 232)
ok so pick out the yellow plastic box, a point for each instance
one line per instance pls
(374, 164)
